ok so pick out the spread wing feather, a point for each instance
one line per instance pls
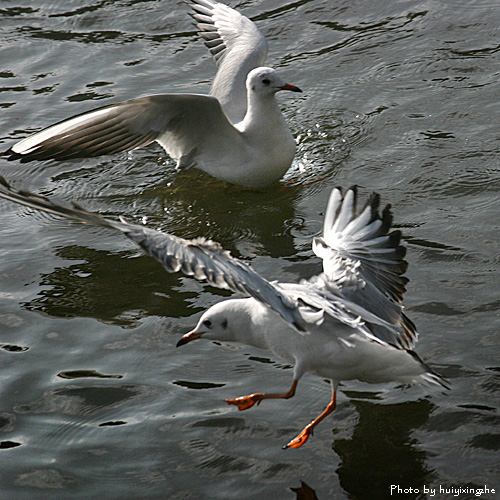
(182, 123)
(363, 237)
(363, 265)
(200, 258)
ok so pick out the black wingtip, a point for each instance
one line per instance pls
(300, 327)
(436, 377)
(10, 155)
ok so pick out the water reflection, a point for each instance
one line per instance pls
(88, 288)
(305, 492)
(74, 400)
(46, 479)
(197, 205)
(382, 451)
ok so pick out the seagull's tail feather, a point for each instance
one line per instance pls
(430, 376)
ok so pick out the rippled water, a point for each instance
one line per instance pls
(96, 402)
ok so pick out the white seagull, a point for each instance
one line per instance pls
(238, 134)
(346, 323)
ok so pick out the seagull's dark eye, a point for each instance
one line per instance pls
(224, 324)
(266, 81)
(208, 323)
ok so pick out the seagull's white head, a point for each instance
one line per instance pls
(229, 320)
(266, 81)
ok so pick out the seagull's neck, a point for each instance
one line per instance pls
(263, 113)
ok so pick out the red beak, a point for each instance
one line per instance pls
(190, 336)
(292, 88)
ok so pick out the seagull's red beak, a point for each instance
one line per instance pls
(190, 336)
(292, 88)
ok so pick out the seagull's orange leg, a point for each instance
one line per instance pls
(308, 429)
(245, 402)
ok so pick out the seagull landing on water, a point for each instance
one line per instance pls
(238, 134)
(346, 323)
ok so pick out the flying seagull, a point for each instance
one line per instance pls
(343, 324)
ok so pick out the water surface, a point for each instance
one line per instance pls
(96, 402)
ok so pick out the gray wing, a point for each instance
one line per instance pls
(363, 264)
(200, 258)
(237, 46)
(181, 123)
(318, 300)
(352, 299)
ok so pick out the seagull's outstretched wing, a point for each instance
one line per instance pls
(200, 258)
(182, 123)
(237, 46)
(363, 264)
(362, 237)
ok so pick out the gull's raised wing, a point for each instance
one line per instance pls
(237, 46)
(362, 237)
(182, 123)
(363, 265)
(200, 258)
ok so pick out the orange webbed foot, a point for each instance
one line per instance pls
(299, 440)
(245, 402)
